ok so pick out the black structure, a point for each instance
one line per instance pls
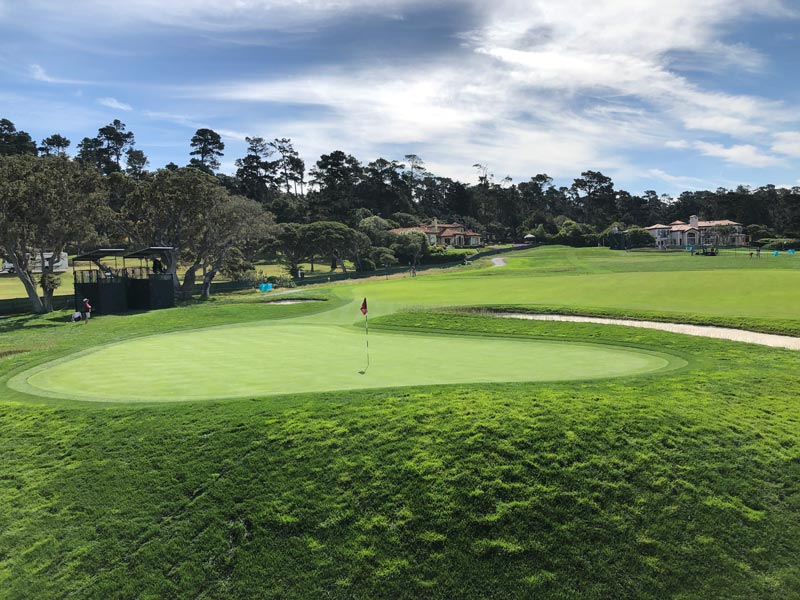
(149, 287)
(119, 288)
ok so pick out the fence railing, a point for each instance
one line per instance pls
(339, 276)
(16, 306)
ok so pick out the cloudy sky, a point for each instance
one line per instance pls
(658, 94)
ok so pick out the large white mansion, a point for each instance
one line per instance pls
(698, 233)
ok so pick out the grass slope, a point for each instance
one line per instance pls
(682, 484)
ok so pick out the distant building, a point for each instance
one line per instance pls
(698, 233)
(445, 234)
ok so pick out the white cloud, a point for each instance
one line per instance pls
(38, 73)
(114, 103)
(787, 142)
(555, 86)
(678, 144)
(678, 181)
(742, 154)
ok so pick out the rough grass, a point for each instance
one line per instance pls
(683, 484)
(596, 490)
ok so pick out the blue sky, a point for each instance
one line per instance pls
(664, 95)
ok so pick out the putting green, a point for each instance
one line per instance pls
(268, 358)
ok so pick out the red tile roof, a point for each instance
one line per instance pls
(681, 226)
(451, 232)
(717, 223)
(439, 230)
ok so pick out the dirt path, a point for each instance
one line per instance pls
(499, 262)
(722, 333)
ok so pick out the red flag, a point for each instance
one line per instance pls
(364, 307)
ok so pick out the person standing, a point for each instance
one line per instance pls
(86, 310)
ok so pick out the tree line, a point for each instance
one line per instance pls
(338, 209)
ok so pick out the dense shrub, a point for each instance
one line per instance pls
(575, 234)
(639, 238)
(367, 264)
(281, 281)
(444, 257)
(779, 243)
(758, 232)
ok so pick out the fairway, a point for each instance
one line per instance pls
(268, 359)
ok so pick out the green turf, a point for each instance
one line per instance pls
(745, 292)
(282, 359)
(669, 484)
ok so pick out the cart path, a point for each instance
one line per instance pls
(499, 262)
(722, 333)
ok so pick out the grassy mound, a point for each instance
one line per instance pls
(683, 483)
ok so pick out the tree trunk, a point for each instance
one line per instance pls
(189, 279)
(47, 274)
(27, 281)
(170, 262)
(205, 292)
(47, 300)
(293, 266)
(33, 295)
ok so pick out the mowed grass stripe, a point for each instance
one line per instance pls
(745, 293)
(269, 359)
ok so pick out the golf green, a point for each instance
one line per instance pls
(268, 358)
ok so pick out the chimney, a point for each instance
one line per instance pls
(693, 221)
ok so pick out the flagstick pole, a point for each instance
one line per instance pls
(366, 330)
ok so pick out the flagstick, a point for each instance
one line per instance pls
(366, 330)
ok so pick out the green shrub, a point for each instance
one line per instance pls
(443, 257)
(49, 282)
(281, 281)
(639, 238)
(779, 243)
(367, 264)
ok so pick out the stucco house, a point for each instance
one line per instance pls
(445, 234)
(679, 234)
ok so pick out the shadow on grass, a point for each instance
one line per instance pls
(14, 323)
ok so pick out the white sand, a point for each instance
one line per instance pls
(722, 333)
(499, 262)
